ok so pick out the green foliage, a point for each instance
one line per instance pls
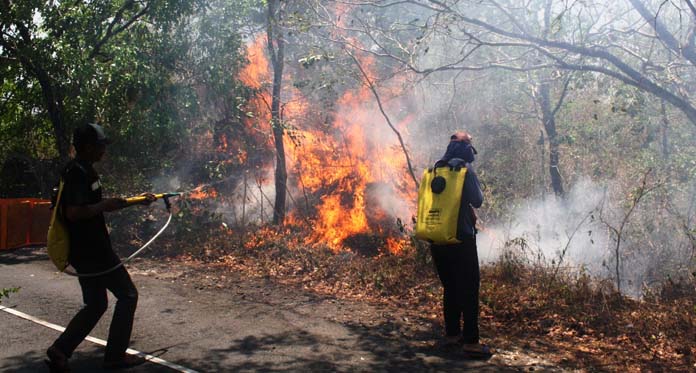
(5, 292)
(148, 71)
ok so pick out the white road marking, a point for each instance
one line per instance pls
(148, 357)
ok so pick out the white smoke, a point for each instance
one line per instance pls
(554, 230)
(251, 201)
(167, 183)
(574, 233)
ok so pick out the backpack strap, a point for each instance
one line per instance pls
(58, 190)
(57, 205)
(440, 163)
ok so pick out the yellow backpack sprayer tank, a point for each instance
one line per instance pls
(439, 202)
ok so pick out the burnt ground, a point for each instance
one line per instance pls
(209, 318)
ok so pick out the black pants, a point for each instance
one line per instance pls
(458, 268)
(94, 289)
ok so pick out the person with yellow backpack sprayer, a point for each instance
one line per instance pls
(447, 196)
(81, 208)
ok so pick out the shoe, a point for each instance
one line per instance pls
(127, 362)
(477, 351)
(57, 361)
(447, 343)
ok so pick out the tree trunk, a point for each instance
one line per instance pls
(549, 121)
(54, 106)
(665, 130)
(542, 145)
(548, 115)
(276, 50)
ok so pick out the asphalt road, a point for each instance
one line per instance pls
(243, 325)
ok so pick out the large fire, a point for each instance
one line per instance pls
(351, 175)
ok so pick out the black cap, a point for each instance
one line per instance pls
(91, 133)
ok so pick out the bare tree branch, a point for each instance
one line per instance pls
(691, 6)
(371, 85)
(631, 76)
(665, 36)
(111, 32)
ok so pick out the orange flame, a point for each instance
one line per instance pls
(347, 162)
(201, 193)
(341, 166)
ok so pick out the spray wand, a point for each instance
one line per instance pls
(163, 196)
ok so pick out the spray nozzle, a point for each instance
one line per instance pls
(163, 196)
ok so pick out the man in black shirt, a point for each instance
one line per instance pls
(90, 252)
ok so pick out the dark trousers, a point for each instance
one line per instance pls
(458, 268)
(94, 296)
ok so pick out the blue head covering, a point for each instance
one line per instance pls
(459, 149)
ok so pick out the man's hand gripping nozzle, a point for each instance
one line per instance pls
(164, 196)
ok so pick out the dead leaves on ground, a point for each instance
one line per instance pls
(575, 321)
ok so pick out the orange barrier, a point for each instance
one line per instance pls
(23, 222)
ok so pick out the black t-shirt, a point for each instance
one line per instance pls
(90, 245)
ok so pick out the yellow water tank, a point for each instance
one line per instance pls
(439, 202)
